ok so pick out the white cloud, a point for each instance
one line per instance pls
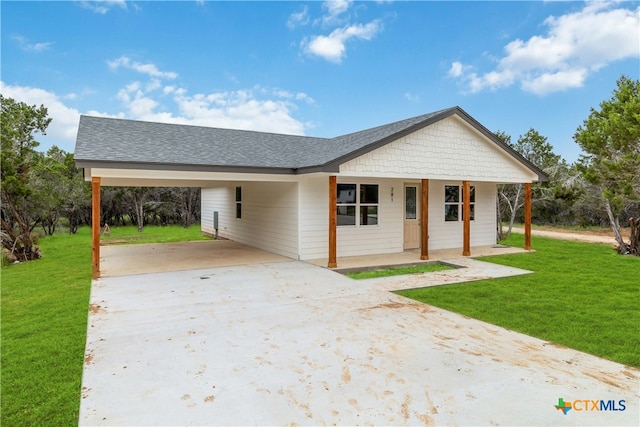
(458, 69)
(103, 6)
(63, 127)
(555, 82)
(259, 108)
(334, 9)
(148, 69)
(297, 19)
(574, 46)
(332, 47)
(24, 44)
(285, 94)
(238, 110)
(412, 97)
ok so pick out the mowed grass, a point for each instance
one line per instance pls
(44, 322)
(396, 271)
(581, 295)
(129, 234)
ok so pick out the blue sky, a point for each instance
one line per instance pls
(319, 68)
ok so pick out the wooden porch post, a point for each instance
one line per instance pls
(466, 213)
(527, 216)
(95, 226)
(333, 221)
(424, 219)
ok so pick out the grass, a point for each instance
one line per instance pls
(582, 296)
(396, 271)
(44, 322)
(152, 234)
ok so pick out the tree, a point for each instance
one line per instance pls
(610, 140)
(59, 191)
(138, 197)
(535, 148)
(19, 123)
(48, 189)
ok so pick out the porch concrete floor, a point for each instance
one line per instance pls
(289, 343)
(412, 256)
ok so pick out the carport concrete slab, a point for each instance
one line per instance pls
(124, 260)
(289, 343)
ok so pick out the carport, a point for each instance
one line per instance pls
(133, 260)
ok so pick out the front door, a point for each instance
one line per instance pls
(411, 216)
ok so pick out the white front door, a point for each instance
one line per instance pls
(411, 216)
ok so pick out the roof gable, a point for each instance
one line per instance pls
(449, 149)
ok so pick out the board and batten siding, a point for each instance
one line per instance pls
(269, 215)
(448, 149)
(314, 216)
(448, 234)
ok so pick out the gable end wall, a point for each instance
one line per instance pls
(449, 149)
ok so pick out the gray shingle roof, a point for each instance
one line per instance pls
(118, 142)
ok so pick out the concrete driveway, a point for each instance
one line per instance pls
(290, 343)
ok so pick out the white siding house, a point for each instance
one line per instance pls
(382, 190)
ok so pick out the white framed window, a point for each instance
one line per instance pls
(454, 202)
(357, 204)
(238, 202)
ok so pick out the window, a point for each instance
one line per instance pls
(357, 204)
(410, 202)
(454, 201)
(238, 202)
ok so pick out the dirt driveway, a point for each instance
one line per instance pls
(605, 238)
(289, 343)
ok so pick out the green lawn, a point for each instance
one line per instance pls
(44, 320)
(396, 271)
(152, 234)
(582, 295)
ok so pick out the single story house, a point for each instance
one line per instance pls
(427, 182)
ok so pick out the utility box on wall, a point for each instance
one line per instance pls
(215, 223)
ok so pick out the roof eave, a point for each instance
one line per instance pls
(80, 163)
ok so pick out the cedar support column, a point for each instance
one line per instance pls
(95, 226)
(527, 216)
(466, 214)
(424, 219)
(333, 221)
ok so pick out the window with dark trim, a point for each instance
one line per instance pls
(357, 204)
(454, 202)
(238, 202)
